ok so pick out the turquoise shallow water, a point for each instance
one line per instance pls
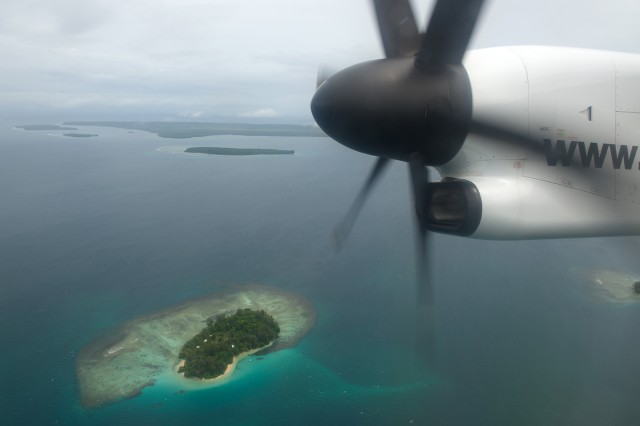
(95, 232)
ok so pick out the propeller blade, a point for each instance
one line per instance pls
(448, 33)
(503, 135)
(341, 232)
(425, 316)
(516, 139)
(419, 183)
(398, 28)
(324, 72)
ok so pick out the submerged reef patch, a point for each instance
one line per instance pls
(615, 286)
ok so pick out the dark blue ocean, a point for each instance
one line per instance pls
(98, 231)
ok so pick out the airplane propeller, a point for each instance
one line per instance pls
(413, 106)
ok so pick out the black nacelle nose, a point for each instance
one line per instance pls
(389, 108)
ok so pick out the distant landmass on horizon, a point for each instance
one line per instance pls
(44, 127)
(183, 130)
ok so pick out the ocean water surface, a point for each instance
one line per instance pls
(98, 231)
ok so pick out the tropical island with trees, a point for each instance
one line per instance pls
(209, 353)
(80, 135)
(125, 360)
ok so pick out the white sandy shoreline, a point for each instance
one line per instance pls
(227, 373)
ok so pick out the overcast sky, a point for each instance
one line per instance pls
(235, 59)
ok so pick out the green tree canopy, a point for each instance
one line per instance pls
(209, 352)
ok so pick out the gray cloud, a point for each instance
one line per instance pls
(225, 58)
(260, 113)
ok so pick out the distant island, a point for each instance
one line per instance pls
(237, 151)
(80, 135)
(211, 353)
(44, 127)
(182, 130)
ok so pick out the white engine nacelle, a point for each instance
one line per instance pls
(500, 208)
(582, 103)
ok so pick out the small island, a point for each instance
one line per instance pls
(212, 150)
(80, 135)
(122, 362)
(210, 353)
